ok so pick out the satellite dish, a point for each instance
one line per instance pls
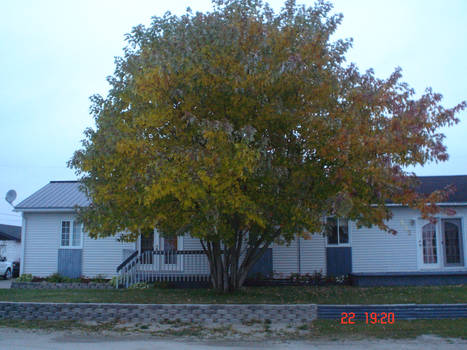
(10, 196)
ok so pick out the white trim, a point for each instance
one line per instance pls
(23, 243)
(45, 210)
(138, 244)
(440, 203)
(180, 247)
(70, 246)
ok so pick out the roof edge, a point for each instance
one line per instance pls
(48, 210)
(64, 181)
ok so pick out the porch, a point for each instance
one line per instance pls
(181, 266)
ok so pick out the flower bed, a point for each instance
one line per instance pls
(60, 285)
(56, 281)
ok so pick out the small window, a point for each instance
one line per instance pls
(66, 232)
(71, 235)
(76, 242)
(337, 231)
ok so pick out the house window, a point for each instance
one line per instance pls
(66, 232)
(337, 231)
(71, 235)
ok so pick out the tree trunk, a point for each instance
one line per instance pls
(229, 269)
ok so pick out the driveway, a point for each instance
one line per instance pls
(5, 284)
(14, 339)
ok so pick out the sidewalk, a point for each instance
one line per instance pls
(5, 284)
(21, 339)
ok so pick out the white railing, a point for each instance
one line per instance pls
(163, 265)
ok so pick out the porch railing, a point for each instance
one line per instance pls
(163, 265)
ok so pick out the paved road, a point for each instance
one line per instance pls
(12, 339)
(5, 284)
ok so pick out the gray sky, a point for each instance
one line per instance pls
(55, 54)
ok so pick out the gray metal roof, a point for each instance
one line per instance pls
(67, 194)
(10, 232)
(56, 195)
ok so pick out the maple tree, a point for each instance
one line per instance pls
(245, 127)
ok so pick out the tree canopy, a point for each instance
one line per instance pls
(245, 127)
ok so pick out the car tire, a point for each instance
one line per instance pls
(8, 274)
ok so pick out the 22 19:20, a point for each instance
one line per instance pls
(370, 318)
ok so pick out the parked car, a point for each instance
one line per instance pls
(6, 268)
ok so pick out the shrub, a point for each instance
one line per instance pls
(313, 279)
(25, 277)
(57, 278)
(161, 284)
(113, 281)
(140, 285)
(99, 279)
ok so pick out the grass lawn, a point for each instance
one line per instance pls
(400, 329)
(249, 295)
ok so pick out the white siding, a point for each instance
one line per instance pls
(284, 259)
(312, 257)
(374, 250)
(42, 241)
(102, 256)
(190, 243)
(194, 264)
(11, 250)
(313, 254)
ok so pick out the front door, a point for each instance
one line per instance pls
(70, 254)
(452, 242)
(169, 259)
(147, 241)
(440, 243)
(338, 250)
(147, 244)
(428, 244)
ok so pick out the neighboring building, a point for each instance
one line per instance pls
(420, 253)
(10, 242)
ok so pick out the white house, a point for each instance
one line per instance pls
(420, 253)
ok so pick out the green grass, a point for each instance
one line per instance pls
(250, 295)
(400, 329)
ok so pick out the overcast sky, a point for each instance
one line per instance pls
(55, 54)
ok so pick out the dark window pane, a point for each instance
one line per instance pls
(170, 250)
(331, 230)
(452, 241)
(343, 231)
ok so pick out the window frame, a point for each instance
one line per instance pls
(338, 244)
(72, 232)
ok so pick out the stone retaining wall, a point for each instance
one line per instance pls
(50, 285)
(160, 313)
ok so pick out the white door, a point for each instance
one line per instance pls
(169, 259)
(452, 242)
(428, 239)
